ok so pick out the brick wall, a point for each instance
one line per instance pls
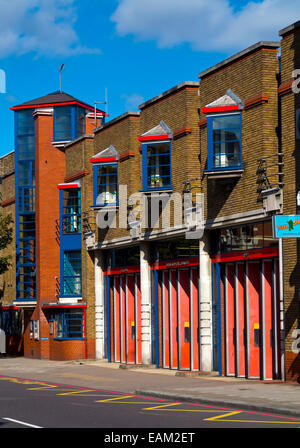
(247, 77)
(7, 191)
(50, 171)
(290, 58)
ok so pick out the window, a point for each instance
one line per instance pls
(11, 322)
(62, 123)
(25, 204)
(80, 121)
(175, 249)
(71, 284)
(69, 324)
(247, 237)
(106, 184)
(156, 165)
(71, 219)
(68, 123)
(224, 143)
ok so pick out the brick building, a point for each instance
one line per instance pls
(44, 305)
(123, 270)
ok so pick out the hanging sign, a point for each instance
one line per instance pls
(286, 226)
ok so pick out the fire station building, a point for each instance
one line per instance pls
(110, 259)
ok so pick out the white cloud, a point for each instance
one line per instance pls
(205, 25)
(45, 27)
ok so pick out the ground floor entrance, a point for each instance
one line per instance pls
(124, 318)
(177, 316)
(247, 315)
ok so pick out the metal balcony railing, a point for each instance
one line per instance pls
(88, 221)
(269, 172)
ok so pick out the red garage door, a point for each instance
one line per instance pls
(179, 318)
(126, 305)
(252, 344)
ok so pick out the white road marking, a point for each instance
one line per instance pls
(21, 423)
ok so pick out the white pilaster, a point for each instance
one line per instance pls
(145, 276)
(99, 303)
(205, 305)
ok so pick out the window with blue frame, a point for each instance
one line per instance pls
(79, 121)
(68, 123)
(25, 204)
(224, 142)
(105, 184)
(63, 123)
(156, 165)
(71, 218)
(69, 323)
(71, 281)
(11, 322)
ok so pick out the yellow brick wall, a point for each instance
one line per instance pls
(247, 77)
(7, 189)
(290, 60)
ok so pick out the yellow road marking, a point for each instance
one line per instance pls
(76, 392)
(191, 410)
(43, 386)
(112, 399)
(161, 406)
(221, 418)
(134, 402)
(259, 421)
(218, 417)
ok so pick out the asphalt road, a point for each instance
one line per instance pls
(34, 404)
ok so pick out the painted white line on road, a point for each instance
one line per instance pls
(21, 423)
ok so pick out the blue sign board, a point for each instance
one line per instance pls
(286, 226)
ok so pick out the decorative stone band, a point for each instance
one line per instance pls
(181, 132)
(126, 155)
(77, 175)
(8, 202)
(202, 123)
(286, 87)
(256, 100)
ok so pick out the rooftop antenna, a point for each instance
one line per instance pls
(60, 70)
(101, 102)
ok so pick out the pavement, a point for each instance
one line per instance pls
(274, 397)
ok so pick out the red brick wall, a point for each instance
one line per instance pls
(38, 349)
(66, 350)
(50, 170)
(90, 124)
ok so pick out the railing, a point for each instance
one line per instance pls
(269, 172)
(88, 221)
(57, 287)
(57, 231)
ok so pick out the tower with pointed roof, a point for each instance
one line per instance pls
(42, 127)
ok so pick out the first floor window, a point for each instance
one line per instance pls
(62, 123)
(72, 273)
(69, 324)
(156, 165)
(106, 184)
(224, 145)
(71, 210)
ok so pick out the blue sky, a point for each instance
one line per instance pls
(134, 48)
